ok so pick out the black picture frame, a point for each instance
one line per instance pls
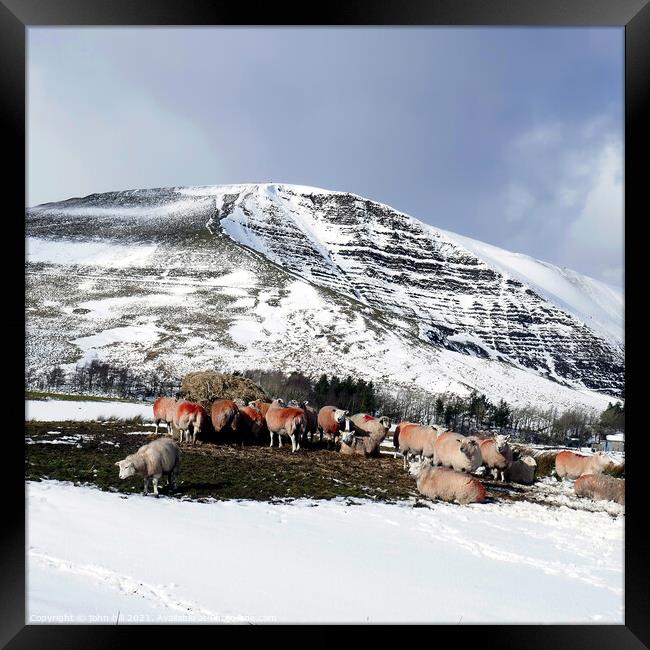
(634, 15)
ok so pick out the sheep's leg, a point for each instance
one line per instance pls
(146, 486)
(193, 436)
(154, 480)
(157, 426)
(293, 442)
(405, 458)
(271, 445)
(279, 439)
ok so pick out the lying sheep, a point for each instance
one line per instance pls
(160, 457)
(366, 446)
(163, 411)
(457, 451)
(189, 417)
(286, 421)
(571, 465)
(600, 487)
(522, 470)
(497, 455)
(449, 485)
(364, 424)
(331, 422)
(415, 439)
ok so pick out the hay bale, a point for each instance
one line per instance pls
(205, 387)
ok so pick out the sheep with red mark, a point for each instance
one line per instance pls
(600, 487)
(331, 422)
(163, 411)
(415, 439)
(260, 405)
(286, 421)
(449, 485)
(571, 465)
(365, 424)
(190, 418)
(252, 423)
(457, 451)
(497, 455)
(224, 415)
(158, 458)
(522, 470)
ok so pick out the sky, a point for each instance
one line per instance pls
(512, 136)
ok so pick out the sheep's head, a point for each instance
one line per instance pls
(602, 459)
(501, 443)
(278, 401)
(384, 420)
(347, 437)
(340, 416)
(469, 448)
(127, 468)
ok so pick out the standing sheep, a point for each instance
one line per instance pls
(457, 451)
(260, 405)
(331, 422)
(163, 411)
(189, 417)
(364, 424)
(497, 455)
(252, 423)
(160, 457)
(224, 415)
(522, 470)
(312, 419)
(415, 439)
(288, 421)
(600, 487)
(449, 485)
(571, 465)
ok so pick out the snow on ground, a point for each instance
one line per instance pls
(54, 410)
(60, 251)
(93, 553)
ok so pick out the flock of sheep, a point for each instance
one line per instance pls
(448, 460)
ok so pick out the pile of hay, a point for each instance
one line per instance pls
(207, 386)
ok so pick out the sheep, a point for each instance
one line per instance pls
(260, 405)
(364, 424)
(497, 455)
(449, 485)
(570, 465)
(331, 421)
(252, 422)
(312, 419)
(288, 421)
(189, 415)
(457, 451)
(163, 411)
(365, 446)
(522, 470)
(600, 487)
(224, 415)
(160, 457)
(415, 439)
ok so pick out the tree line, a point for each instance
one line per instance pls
(467, 415)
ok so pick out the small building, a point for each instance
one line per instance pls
(614, 442)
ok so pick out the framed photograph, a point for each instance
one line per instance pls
(324, 318)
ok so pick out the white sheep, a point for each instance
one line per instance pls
(160, 457)
(449, 485)
(457, 451)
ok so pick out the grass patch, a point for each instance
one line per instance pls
(218, 471)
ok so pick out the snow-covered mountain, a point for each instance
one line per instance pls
(301, 278)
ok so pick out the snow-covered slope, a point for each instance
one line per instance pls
(284, 276)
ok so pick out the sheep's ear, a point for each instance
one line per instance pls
(347, 413)
(117, 464)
